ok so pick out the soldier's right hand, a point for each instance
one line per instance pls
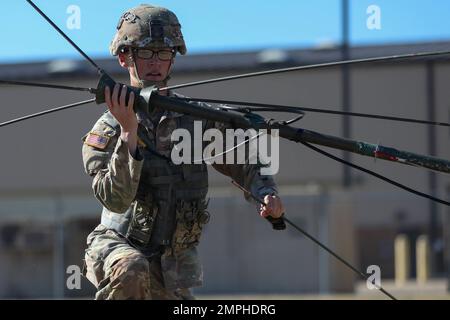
(122, 110)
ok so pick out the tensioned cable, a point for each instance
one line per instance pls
(377, 175)
(320, 244)
(208, 160)
(254, 74)
(39, 114)
(274, 107)
(372, 173)
(310, 67)
(45, 85)
(338, 257)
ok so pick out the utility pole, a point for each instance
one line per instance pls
(346, 88)
(447, 240)
(432, 177)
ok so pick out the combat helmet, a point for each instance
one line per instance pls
(148, 26)
(151, 27)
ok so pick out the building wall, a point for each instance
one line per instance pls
(41, 158)
(45, 152)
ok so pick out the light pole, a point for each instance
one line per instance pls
(346, 88)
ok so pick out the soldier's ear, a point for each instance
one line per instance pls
(125, 60)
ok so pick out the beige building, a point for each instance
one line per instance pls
(47, 208)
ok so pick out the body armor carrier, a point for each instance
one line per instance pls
(170, 206)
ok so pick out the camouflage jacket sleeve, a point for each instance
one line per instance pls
(116, 173)
(249, 176)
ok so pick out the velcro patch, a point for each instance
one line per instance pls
(97, 140)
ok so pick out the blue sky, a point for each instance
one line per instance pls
(211, 26)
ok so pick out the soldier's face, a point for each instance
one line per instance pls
(151, 69)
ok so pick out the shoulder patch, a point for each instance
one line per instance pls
(97, 140)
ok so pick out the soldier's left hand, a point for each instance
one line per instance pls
(273, 207)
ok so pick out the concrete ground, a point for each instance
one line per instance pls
(432, 290)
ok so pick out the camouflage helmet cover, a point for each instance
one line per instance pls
(148, 26)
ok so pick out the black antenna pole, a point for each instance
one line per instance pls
(65, 36)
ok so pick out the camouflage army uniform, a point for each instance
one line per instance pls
(153, 210)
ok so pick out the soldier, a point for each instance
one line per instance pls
(153, 210)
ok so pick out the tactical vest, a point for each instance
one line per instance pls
(170, 205)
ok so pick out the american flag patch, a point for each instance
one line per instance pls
(97, 140)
